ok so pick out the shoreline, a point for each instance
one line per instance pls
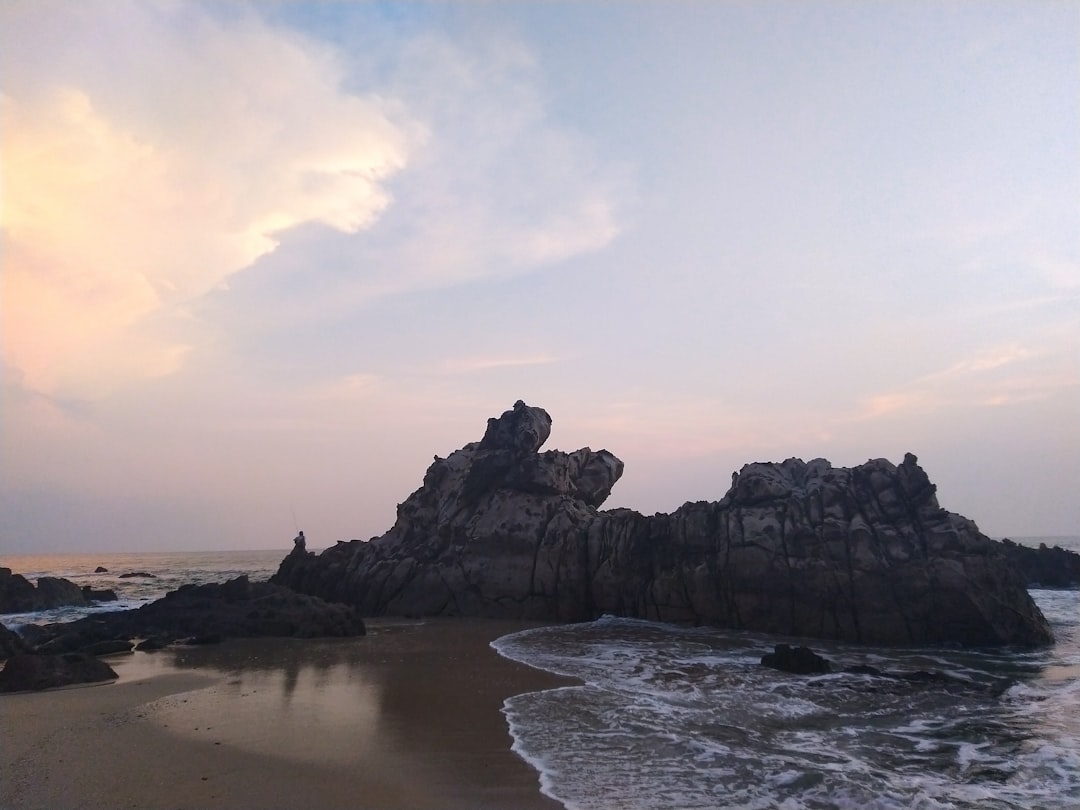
(408, 716)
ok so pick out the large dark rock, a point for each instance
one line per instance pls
(11, 643)
(25, 672)
(804, 661)
(237, 608)
(803, 549)
(17, 595)
(796, 660)
(58, 592)
(108, 647)
(1045, 566)
(98, 595)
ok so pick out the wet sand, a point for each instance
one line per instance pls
(408, 717)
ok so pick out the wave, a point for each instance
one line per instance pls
(686, 717)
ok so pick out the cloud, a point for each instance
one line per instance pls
(498, 189)
(988, 360)
(173, 155)
(879, 405)
(151, 152)
(1058, 272)
(473, 364)
(1002, 375)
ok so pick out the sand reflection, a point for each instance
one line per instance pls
(407, 717)
(429, 691)
(311, 701)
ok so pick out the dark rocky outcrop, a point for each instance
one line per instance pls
(112, 647)
(11, 643)
(796, 660)
(795, 548)
(18, 595)
(1045, 566)
(26, 672)
(98, 595)
(237, 608)
(804, 661)
(138, 574)
(57, 591)
(101, 569)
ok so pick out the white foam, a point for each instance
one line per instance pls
(677, 717)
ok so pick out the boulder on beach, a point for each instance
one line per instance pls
(108, 647)
(33, 672)
(797, 548)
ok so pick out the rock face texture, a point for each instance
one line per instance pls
(499, 529)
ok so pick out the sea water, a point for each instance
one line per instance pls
(670, 717)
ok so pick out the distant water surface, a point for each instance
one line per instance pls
(171, 569)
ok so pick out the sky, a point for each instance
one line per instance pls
(260, 262)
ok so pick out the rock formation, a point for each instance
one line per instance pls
(11, 643)
(25, 672)
(237, 608)
(804, 661)
(18, 595)
(98, 594)
(804, 549)
(796, 660)
(1045, 566)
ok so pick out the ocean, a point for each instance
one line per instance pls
(679, 718)
(170, 570)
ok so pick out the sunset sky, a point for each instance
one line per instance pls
(262, 261)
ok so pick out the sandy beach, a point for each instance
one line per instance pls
(407, 717)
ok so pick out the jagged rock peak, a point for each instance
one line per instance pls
(905, 486)
(521, 430)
